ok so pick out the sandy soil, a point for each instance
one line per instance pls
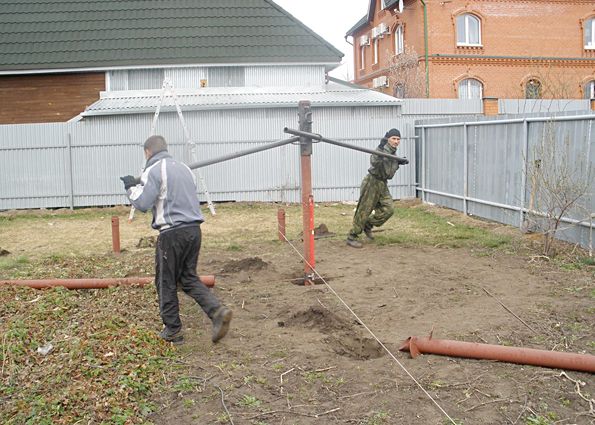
(297, 355)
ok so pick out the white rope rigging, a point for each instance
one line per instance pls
(368, 329)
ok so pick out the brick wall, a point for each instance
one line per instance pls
(514, 34)
(47, 98)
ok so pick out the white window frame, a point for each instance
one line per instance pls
(467, 85)
(362, 56)
(467, 17)
(589, 25)
(399, 40)
(375, 51)
(590, 90)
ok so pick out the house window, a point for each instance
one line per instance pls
(590, 90)
(375, 50)
(468, 30)
(362, 57)
(590, 33)
(470, 88)
(399, 91)
(533, 89)
(399, 42)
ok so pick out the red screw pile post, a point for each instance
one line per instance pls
(116, 234)
(281, 223)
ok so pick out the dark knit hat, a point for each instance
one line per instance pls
(392, 132)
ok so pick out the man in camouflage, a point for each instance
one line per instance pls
(375, 205)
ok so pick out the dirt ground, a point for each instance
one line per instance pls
(297, 355)
(329, 353)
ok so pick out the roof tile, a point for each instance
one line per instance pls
(61, 34)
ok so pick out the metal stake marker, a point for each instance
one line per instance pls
(305, 121)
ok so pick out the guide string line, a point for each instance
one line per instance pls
(368, 329)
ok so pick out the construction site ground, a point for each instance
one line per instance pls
(295, 354)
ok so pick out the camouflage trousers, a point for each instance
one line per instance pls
(374, 196)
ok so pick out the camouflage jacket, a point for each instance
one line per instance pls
(381, 167)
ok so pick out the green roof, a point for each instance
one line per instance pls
(51, 35)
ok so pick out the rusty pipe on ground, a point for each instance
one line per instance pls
(207, 280)
(528, 356)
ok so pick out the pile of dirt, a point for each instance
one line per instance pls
(252, 264)
(343, 335)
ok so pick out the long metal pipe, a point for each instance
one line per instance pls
(234, 155)
(529, 356)
(207, 280)
(342, 144)
(510, 121)
(582, 223)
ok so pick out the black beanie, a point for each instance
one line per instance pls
(392, 132)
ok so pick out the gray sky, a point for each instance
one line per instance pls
(330, 19)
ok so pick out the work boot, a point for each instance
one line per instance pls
(221, 320)
(170, 336)
(368, 232)
(353, 242)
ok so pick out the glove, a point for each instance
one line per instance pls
(403, 161)
(129, 181)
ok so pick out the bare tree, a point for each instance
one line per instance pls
(405, 75)
(548, 88)
(559, 180)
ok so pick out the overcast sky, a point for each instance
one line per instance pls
(330, 19)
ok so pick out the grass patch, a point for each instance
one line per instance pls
(105, 369)
(420, 227)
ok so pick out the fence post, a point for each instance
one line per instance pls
(423, 164)
(465, 168)
(70, 177)
(525, 155)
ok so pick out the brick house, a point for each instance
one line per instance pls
(57, 56)
(479, 49)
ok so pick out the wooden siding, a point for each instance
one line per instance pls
(48, 97)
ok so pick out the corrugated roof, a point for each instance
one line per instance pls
(97, 34)
(334, 94)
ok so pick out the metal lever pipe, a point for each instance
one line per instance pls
(234, 155)
(342, 144)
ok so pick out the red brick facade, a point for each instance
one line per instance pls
(520, 41)
(47, 98)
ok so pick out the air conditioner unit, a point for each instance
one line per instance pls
(377, 32)
(399, 8)
(364, 40)
(379, 82)
(383, 28)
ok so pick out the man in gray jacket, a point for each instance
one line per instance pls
(167, 186)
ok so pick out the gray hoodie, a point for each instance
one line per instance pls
(168, 187)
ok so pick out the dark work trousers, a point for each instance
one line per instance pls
(176, 257)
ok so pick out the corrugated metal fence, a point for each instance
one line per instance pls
(78, 164)
(481, 166)
(476, 164)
